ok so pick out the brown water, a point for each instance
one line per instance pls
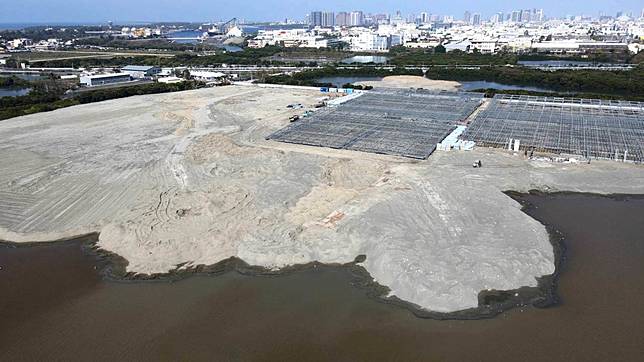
(55, 306)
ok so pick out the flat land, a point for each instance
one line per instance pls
(45, 56)
(187, 178)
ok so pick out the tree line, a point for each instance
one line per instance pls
(622, 84)
(42, 101)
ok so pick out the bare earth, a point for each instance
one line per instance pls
(189, 178)
(412, 81)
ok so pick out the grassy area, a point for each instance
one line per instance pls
(615, 57)
(31, 56)
(309, 77)
(405, 56)
(309, 56)
(638, 59)
(144, 44)
(76, 57)
(13, 82)
(245, 57)
(623, 83)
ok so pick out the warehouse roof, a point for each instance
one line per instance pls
(109, 75)
(138, 68)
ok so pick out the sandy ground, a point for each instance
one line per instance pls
(188, 178)
(411, 81)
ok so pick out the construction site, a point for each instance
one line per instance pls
(172, 181)
(590, 128)
(411, 123)
(406, 123)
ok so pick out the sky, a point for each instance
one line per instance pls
(93, 11)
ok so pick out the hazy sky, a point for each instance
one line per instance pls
(18, 11)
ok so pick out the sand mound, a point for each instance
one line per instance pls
(412, 81)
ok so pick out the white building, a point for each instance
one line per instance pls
(19, 43)
(463, 45)
(170, 80)
(235, 32)
(369, 42)
(485, 46)
(207, 76)
(423, 43)
(356, 18)
(141, 71)
(104, 79)
(283, 37)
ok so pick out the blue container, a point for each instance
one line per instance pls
(324, 89)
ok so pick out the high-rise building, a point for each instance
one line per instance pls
(516, 16)
(356, 18)
(315, 19)
(380, 18)
(476, 19)
(537, 15)
(424, 17)
(397, 19)
(322, 18)
(526, 16)
(343, 19)
(328, 19)
(467, 17)
(501, 17)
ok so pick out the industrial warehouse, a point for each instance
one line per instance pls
(412, 122)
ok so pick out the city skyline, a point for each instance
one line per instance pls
(71, 11)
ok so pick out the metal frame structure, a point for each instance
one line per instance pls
(396, 122)
(589, 128)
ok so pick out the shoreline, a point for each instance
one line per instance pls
(112, 268)
(55, 295)
(201, 184)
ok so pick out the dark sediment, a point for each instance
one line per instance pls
(112, 267)
(318, 311)
(491, 303)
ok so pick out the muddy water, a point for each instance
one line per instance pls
(55, 305)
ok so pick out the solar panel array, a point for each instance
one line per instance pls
(395, 122)
(586, 127)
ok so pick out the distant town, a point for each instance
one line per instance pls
(115, 55)
(517, 31)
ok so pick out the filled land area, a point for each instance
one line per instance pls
(172, 181)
